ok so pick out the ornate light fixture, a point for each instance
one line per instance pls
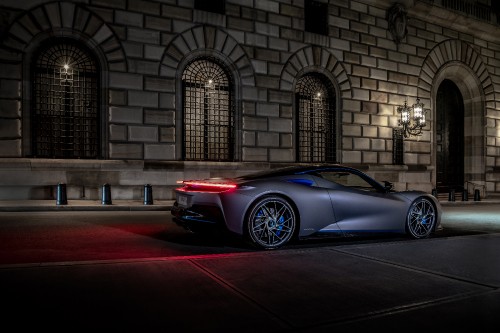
(412, 118)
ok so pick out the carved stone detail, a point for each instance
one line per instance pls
(397, 18)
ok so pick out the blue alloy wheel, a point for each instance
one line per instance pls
(421, 218)
(271, 222)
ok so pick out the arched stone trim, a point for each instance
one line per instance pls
(65, 19)
(313, 58)
(461, 63)
(207, 38)
(62, 19)
(208, 41)
(450, 51)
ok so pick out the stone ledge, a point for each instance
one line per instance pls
(65, 164)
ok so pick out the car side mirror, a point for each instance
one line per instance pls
(387, 185)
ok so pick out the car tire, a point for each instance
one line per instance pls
(421, 218)
(270, 223)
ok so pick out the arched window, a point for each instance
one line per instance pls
(316, 123)
(208, 112)
(65, 104)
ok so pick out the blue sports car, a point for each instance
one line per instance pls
(274, 207)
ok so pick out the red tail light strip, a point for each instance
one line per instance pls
(206, 186)
(227, 186)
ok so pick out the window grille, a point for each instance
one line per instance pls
(472, 8)
(208, 112)
(315, 100)
(65, 116)
(397, 146)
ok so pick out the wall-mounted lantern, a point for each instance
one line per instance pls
(412, 118)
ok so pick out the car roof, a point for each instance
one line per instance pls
(293, 170)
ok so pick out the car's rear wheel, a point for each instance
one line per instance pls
(421, 218)
(271, 222)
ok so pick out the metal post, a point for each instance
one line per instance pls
(477, 196)
(148, 194)
(61, 195)
(465, 195)
(434, 192)
(451, 195)
(106, 194)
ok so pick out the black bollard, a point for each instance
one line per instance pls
(148, 194)
(61, 195)
(106, 194)
(451, 195)
(477, 196)
(465, 195)
(434, 193)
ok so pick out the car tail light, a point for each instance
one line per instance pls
(213, 186)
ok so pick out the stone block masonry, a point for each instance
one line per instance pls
(142, 48)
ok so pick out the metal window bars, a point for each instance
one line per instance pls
(208, 112)
(397, 146)
(65, 115)
(316, 123)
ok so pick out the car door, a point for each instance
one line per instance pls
(361, 206)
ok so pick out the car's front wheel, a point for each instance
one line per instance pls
(421, 218)
(271, 222)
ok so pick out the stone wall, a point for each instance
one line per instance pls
(143, 46)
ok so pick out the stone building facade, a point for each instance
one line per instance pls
(141, 52)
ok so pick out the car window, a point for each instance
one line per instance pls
(348, 179)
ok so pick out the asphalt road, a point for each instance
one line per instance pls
(138, 272)
(38, 237)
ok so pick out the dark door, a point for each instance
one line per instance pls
(449, 138)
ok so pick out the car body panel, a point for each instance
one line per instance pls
(313, 204)
(321, 206)
(386, 208)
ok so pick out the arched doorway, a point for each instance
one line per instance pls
(449, 137)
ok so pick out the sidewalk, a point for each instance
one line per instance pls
(82, 205)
